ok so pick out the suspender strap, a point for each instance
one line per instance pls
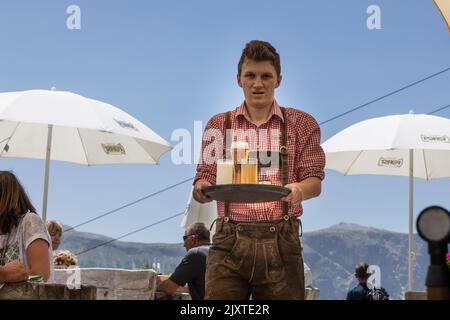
(227, 147)
(227, 130)
(284, 167)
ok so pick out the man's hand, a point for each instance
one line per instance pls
(167, 286)
(303, 190)
(198, 194)
(296, 195)
(13, 271)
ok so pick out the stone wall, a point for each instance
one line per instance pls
(97, 283)
(44, 291)
(312, 293)
(112, 284)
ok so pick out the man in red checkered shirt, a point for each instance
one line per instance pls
(256, 249)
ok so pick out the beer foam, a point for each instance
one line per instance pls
(224, 161)
(239, 145)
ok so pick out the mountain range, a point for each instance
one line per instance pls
(331, 254)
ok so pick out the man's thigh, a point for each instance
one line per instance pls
(221, 283)
(291, 287)
(292, 283)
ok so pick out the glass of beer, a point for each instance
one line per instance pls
(239, 154)
(224, 174)
(239, 151)
(249, 171)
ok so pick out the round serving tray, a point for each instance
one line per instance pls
(246, 193)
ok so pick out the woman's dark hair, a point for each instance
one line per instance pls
(361, 270)
(257, 50)
(14, 202)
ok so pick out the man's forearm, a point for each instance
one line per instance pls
(167, 286)
(311, 187)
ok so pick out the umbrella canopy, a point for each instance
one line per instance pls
(444, 9)
(381, 146)
(400, 145)
(85, 131)
(199, 212)
(58, 125)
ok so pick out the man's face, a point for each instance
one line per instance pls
(259, 80)
(190, 241)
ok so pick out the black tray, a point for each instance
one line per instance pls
(246, 193)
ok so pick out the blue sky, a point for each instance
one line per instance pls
(170, 63)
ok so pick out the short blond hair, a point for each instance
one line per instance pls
(54, 227)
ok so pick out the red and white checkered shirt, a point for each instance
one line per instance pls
(305, 155)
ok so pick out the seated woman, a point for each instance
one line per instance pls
(25, 246)
(55, 230)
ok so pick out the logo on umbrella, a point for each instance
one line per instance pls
(426, 138)
(126, 125)
(111, 148)
(390, 162)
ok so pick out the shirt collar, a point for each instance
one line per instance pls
(275, 110)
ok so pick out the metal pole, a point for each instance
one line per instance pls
(410, 233)
(47, 171)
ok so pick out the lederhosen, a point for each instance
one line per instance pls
(261, 259)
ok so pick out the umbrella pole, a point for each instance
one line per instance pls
(410, 233)
(47, 171)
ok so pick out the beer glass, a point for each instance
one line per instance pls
(239, 154)
(249, 171)
(224, 174)
(239, 151)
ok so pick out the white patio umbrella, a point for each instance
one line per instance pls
(444, 8)
(199, 212)
(58, 125)
(414, 145)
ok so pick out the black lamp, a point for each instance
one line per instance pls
(433, 225)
